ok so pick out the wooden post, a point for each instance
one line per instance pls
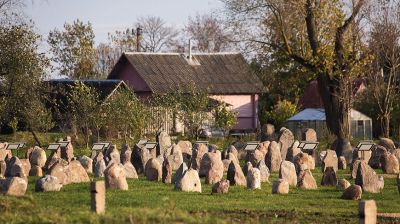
(98, 197)
(367, 212)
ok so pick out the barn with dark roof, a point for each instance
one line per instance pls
(225, 76)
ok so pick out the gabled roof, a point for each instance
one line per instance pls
(218, 73)
(318, 114)
(105, 88)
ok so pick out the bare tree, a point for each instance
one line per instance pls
(208, 32)
(156, 35)
(384, 72)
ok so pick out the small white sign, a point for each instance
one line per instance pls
(150, 145)
(365, 146)
(63, 143)
(308, 145)
(98, 146)
(142, 141)
(13, 146)
(53, 146)
(251, 146)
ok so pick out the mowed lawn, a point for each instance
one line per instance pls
(155, 202)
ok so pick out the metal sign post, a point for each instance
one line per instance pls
(364, 146)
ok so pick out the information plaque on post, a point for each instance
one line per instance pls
(364, 146)
(308, 147)
(201, 142)
(142, 141)
(251, 146)
(15, 146)
(54, 146)
(98, 146)
(106, 144)
(63, 144)
(150, 145)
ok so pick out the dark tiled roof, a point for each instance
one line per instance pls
(103, 87)
(221, 73)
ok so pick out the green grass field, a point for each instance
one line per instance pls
(155, 202)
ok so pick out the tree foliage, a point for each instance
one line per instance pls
(22, 68)
(73, 50)
(224, 117)
(281, 112)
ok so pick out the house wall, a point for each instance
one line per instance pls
(132, 78)
(246, 106)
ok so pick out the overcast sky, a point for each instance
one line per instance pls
(110, 15)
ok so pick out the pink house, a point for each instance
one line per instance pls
(226, 76)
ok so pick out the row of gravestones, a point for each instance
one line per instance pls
(204, 161)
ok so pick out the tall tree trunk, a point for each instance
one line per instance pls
(335, 97)
(385, 125)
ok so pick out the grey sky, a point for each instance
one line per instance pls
(110, 15)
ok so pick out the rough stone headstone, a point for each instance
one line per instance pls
(166, 172)
(76, 173)
(330, 160)
(230, 149)
(280, 186)
(343, 184)
(273, 158)
(4, 153)
(153, 170)
(26, 166)
(197, 154)
(48, 183)
(306, 180)
(268, 132)
(28, 153)
(353, 192)
(342, 163)
(176, 158)
(302, 162)
(115, 177)
(14, 186)
(344, 147)
(309, 135)
(190, 181)
(36, 171)
(387, 143)
(211, 161)
(99, 168)
(179, 173)
(367, 212)
(247, 167)
(212, 148)
(87, 163)
(396, 153)
(390, 164)
(164, 142)
(130, 171)
(264, 171)
(367, 179)
(186, 148)
(67, 153)
(287, 172)
(354, 168)
(126, 154)
(233, 157)
(54, 157)
(253, 179)
(38, 157)
(3, 167)
(235, 175)
(140, 156)
(293, 151)
(329, 177)
(221, 187)
(286, 139)
(254, 156)
(377, 156)
(113, 155)
(15, 168)
(98, 197)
